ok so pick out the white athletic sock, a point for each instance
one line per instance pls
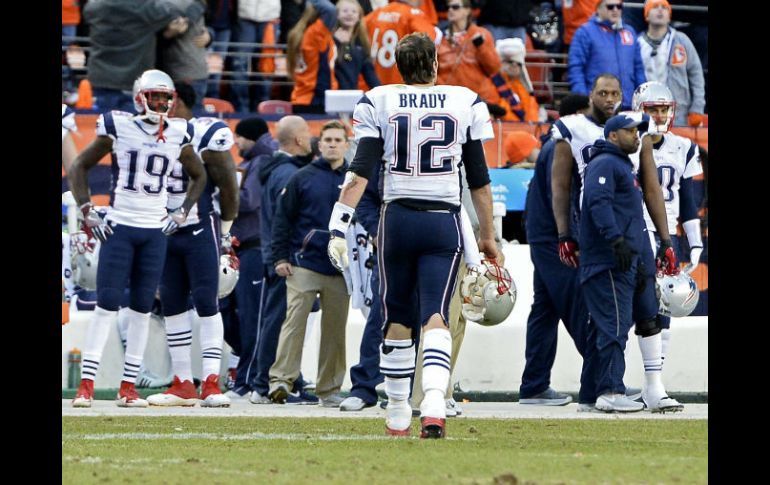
(212, 332)
(397, 365)
(437, 351)
(179, 338)
(665, 337)
(136, 342)
(96, 337)
(653, 364)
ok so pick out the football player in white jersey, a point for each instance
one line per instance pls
(143, 148)
(575, 133)
(677, 160)
(68, 126)
(422, 133)
(192, 262)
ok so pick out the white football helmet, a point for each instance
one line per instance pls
(678, 295)
(654, 94)
(489, 294)
(228, 274)
(85, 260)
(150, 84)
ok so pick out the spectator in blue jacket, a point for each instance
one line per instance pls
(612, 230)
(293, 153)
(299, 248)
(605, 44)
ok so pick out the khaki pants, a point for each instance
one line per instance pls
(457, 329)
(301, 290)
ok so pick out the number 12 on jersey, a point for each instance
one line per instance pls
(435, 132)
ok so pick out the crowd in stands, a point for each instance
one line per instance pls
(249, 51)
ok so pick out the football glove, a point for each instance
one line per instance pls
(174, 219)
(695, 253)
(568, 249)
(338, 250)
(665, 259)
(93, 224)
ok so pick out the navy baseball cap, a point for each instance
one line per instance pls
(626, 119)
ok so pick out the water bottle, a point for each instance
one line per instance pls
(73, 376)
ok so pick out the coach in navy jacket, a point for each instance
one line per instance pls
(611, 231)
(299, 228)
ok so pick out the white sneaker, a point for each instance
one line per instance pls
(353, 403)
(215, 401)
(331, 401)
(452, 408)
(234, 396)
(257, 398)
(617, 403)
(662, 404)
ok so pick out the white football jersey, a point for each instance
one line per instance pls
(67, 120)
(423, 129)
(580, 131)
(210, 134)
(676, 158)
(140, 166)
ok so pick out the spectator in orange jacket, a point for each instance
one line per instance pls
(467, 56)
(512, 53)
(310, 57)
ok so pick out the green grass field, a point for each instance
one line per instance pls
(212, 450)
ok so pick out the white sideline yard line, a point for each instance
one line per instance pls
(472, 410)
(231, 437)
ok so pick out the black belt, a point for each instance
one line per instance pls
(427, 205)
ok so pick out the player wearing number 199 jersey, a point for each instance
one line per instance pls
(144, 149)
(422, 133)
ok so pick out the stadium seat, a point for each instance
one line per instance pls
(275, 107)
(215, 105)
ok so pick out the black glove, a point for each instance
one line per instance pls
(478, 40)
(623, 254)
(495, 110)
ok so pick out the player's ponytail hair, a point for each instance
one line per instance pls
(294, 39)
(415, 55)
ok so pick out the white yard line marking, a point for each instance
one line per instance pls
(232, 437)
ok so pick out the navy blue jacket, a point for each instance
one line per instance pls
(539, 222)
(300, 233)
(246, 226)
(612, 207)
(274, 174)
